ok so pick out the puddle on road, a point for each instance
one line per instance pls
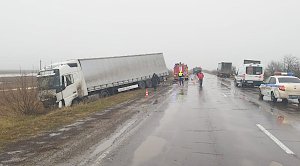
(64, 129)
(15, 152)
(274, 163)
(54, 134)
(148, 150)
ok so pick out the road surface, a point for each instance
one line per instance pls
(218, 125)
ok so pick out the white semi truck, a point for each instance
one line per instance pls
(68, 82)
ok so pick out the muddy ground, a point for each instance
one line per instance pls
(69, 142)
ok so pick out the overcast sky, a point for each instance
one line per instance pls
(196, 32)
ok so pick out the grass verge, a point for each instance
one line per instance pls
(18, 127)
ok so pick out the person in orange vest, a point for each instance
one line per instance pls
(180, 76)
(200, 76)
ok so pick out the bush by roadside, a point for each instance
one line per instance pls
(19, 96)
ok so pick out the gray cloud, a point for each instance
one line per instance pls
(192, 31)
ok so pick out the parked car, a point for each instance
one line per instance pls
(281, 87)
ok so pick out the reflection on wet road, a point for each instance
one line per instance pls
(215, 125)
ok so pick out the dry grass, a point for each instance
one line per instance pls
(17, 127)
(17, 95)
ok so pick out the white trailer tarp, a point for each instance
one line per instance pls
(111, 71)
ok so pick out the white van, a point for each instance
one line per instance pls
(249, 75)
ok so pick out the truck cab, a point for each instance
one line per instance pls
(60, 84)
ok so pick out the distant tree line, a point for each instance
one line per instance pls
(289, 63)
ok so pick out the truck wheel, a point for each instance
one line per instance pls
(148, 83)
(103, 93)
(142, 84)
(75, 102)
(273, 98)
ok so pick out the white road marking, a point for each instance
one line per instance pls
(279, 143)
(224, 95)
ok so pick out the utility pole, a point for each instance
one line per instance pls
(40, 64)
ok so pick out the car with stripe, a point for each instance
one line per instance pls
(281, 87)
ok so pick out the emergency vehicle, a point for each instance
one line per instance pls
(181, 67)
(249, 75)
(281, 86)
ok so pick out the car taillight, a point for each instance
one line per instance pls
(282, 88)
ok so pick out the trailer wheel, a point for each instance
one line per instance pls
(142, 84)
(103, 93)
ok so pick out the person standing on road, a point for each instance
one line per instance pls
(180, 76)
(200, 76)
(155, 81)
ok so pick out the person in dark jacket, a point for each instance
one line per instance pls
(155, 81)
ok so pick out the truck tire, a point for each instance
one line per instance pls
(235, 83)
(148, 83)
(142, 84)
(273, 98)
(75, 102)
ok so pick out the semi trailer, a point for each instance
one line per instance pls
(69, 82)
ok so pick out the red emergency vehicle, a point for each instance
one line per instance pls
(183, 68)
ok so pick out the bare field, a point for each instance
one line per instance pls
(15, 82)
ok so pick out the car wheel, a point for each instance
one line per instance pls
(235, 83)
(243, 85)
(273, 98)
(285, 101)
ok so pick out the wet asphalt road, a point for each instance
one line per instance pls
(213, 126)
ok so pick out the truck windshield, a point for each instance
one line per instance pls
(48, 82)
(289, 80)
(251, 70)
